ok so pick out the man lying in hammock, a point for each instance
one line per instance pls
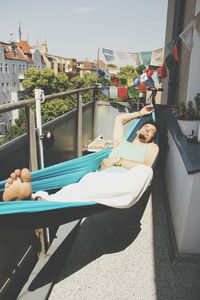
(126, 171)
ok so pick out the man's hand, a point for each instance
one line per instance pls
(108, 162)
(146, 110)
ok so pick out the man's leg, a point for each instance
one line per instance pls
(18, 186)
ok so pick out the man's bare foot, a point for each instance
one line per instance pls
(18, 186)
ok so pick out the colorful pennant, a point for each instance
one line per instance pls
(108, 54)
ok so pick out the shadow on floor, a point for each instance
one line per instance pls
(108, 232)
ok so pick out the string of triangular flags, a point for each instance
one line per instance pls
(154, 58)
(123, 88)
(157, 64)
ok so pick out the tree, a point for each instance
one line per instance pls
(128, 72)
(51, 83)
(46, 80)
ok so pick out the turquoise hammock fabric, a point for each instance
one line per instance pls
(57, 176)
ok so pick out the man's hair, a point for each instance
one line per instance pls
(152, 123)
(149, 122)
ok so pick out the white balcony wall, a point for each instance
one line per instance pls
(183, 193)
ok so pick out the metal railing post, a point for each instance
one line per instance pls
(94, 121)
(79, 124)
(33, 161)
(38, 97)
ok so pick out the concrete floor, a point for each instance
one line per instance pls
(126, 254)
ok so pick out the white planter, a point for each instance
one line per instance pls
(187, 126)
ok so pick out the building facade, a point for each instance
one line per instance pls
(15, 59)
(182, 83)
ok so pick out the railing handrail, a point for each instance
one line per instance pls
(25, 103)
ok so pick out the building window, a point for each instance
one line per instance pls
(14, 69)
(1, 67)
(7, 87)
(20, 68)
(6, 68)
(24, 67)
(3, 87)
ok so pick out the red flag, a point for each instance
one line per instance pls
(122, 92)
(162, 71)
(142, 87)
(115, 80)
(175, 52)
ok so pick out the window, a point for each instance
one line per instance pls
(6, 68)
(3, 87)
(7, 87)
(24, 67)
(14, 69)
(1, 67)
(20, 68)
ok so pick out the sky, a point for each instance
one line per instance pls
(77, 28)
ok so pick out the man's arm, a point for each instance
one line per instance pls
(118, 132)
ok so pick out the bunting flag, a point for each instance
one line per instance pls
(105, 90)
(146, 57)
(187, 35)
(169, 61)
(108, 54)
(197, 23)
(162, 71)
(169, 47)
(115, 80)
(142, 87)
(122, 55)
(136, 58)
(150, 83)
(155, 78)
(107, 76)
(157, 57)
(149, 72)
(143, 77)
(175, 52)
(122, 92)
(101, 73)
(113, 92)
(130, 81)
(123, 81)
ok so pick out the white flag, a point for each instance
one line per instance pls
(123, 55)
(143, 77)
(136, 58)
(157, 57)
(187, 35)
(197, 23)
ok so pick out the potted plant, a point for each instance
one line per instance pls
(189, 116)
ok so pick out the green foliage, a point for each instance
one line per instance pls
(140, 69)
(128, 72)
(111, 66)
(46, 80)
(188, 112)
(197, 102)
(17, 129)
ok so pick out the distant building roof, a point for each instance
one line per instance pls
(12, 51)
(26, 48)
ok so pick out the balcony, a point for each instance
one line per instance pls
(118, 254)
(21, 76)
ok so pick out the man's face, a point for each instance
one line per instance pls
(147, 133)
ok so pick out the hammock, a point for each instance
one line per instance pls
(36, 214)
